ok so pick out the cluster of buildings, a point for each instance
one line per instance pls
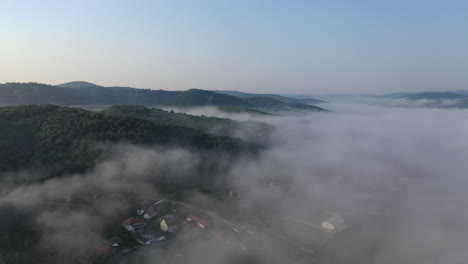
(155, 223)
(172, 226)
(161, 226)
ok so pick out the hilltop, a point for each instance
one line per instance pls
(77, 84)
(285, 99)
(277, 105)
(83, 93)
(248, 130)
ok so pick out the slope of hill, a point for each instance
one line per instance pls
(77, 84)
(431, 100)
(197, 97)
(249, 130)
(61, 139)
(82, 93)
(277, 105)
(311, 101)
(461, 92)
(239, 110)
(432, 96)
(389, 95)
(284, 99)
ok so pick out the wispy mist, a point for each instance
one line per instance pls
(396, 176)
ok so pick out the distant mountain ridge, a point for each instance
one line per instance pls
(77, 84)
(84, 93)
(285, 99)
(431, 96)
(448, 99)
(271, 103)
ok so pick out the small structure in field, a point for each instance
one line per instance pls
(334, 224)
(201, 223)
(132, 223)
(169, 223)
(109, 247)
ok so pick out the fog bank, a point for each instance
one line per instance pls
(406, 166)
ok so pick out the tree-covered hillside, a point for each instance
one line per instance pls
(252, 131)
(35, 93)
(274, 104)
(281, 98)
(197, 97)
(241, 110)
(432, 96)
(82, 93)
(78, 85)
(60, 139)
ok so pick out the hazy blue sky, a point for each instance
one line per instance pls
(250, 45)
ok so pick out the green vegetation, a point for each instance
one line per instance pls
(78, 85)
(432, 96)
(18, 237)
(281, 98)
(277, 105)
(62, 140)
(53, 141)
(457, 99)
(237, 110)
(254, 131)
(196, 97)
(35, 93)
(82, 93)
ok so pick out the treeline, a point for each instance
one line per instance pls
(82, 94)
(62, 140)
(249, 130)
(35, 93)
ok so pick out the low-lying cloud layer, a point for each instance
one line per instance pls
(409, 163)
(407, 166)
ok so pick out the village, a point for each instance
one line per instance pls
(163, 229)
(162, 226)
(168, 229)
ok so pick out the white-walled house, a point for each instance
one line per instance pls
(335, 224)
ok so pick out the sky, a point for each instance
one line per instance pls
(278, 46)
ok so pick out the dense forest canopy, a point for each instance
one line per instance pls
(275, 96)
(249, 130)
(61, 139)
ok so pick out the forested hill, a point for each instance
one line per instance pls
(281, 98)
(252, 131)
(35, 93)
(433, 96)
(82, 93)
(277, 105)
(61, 139)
